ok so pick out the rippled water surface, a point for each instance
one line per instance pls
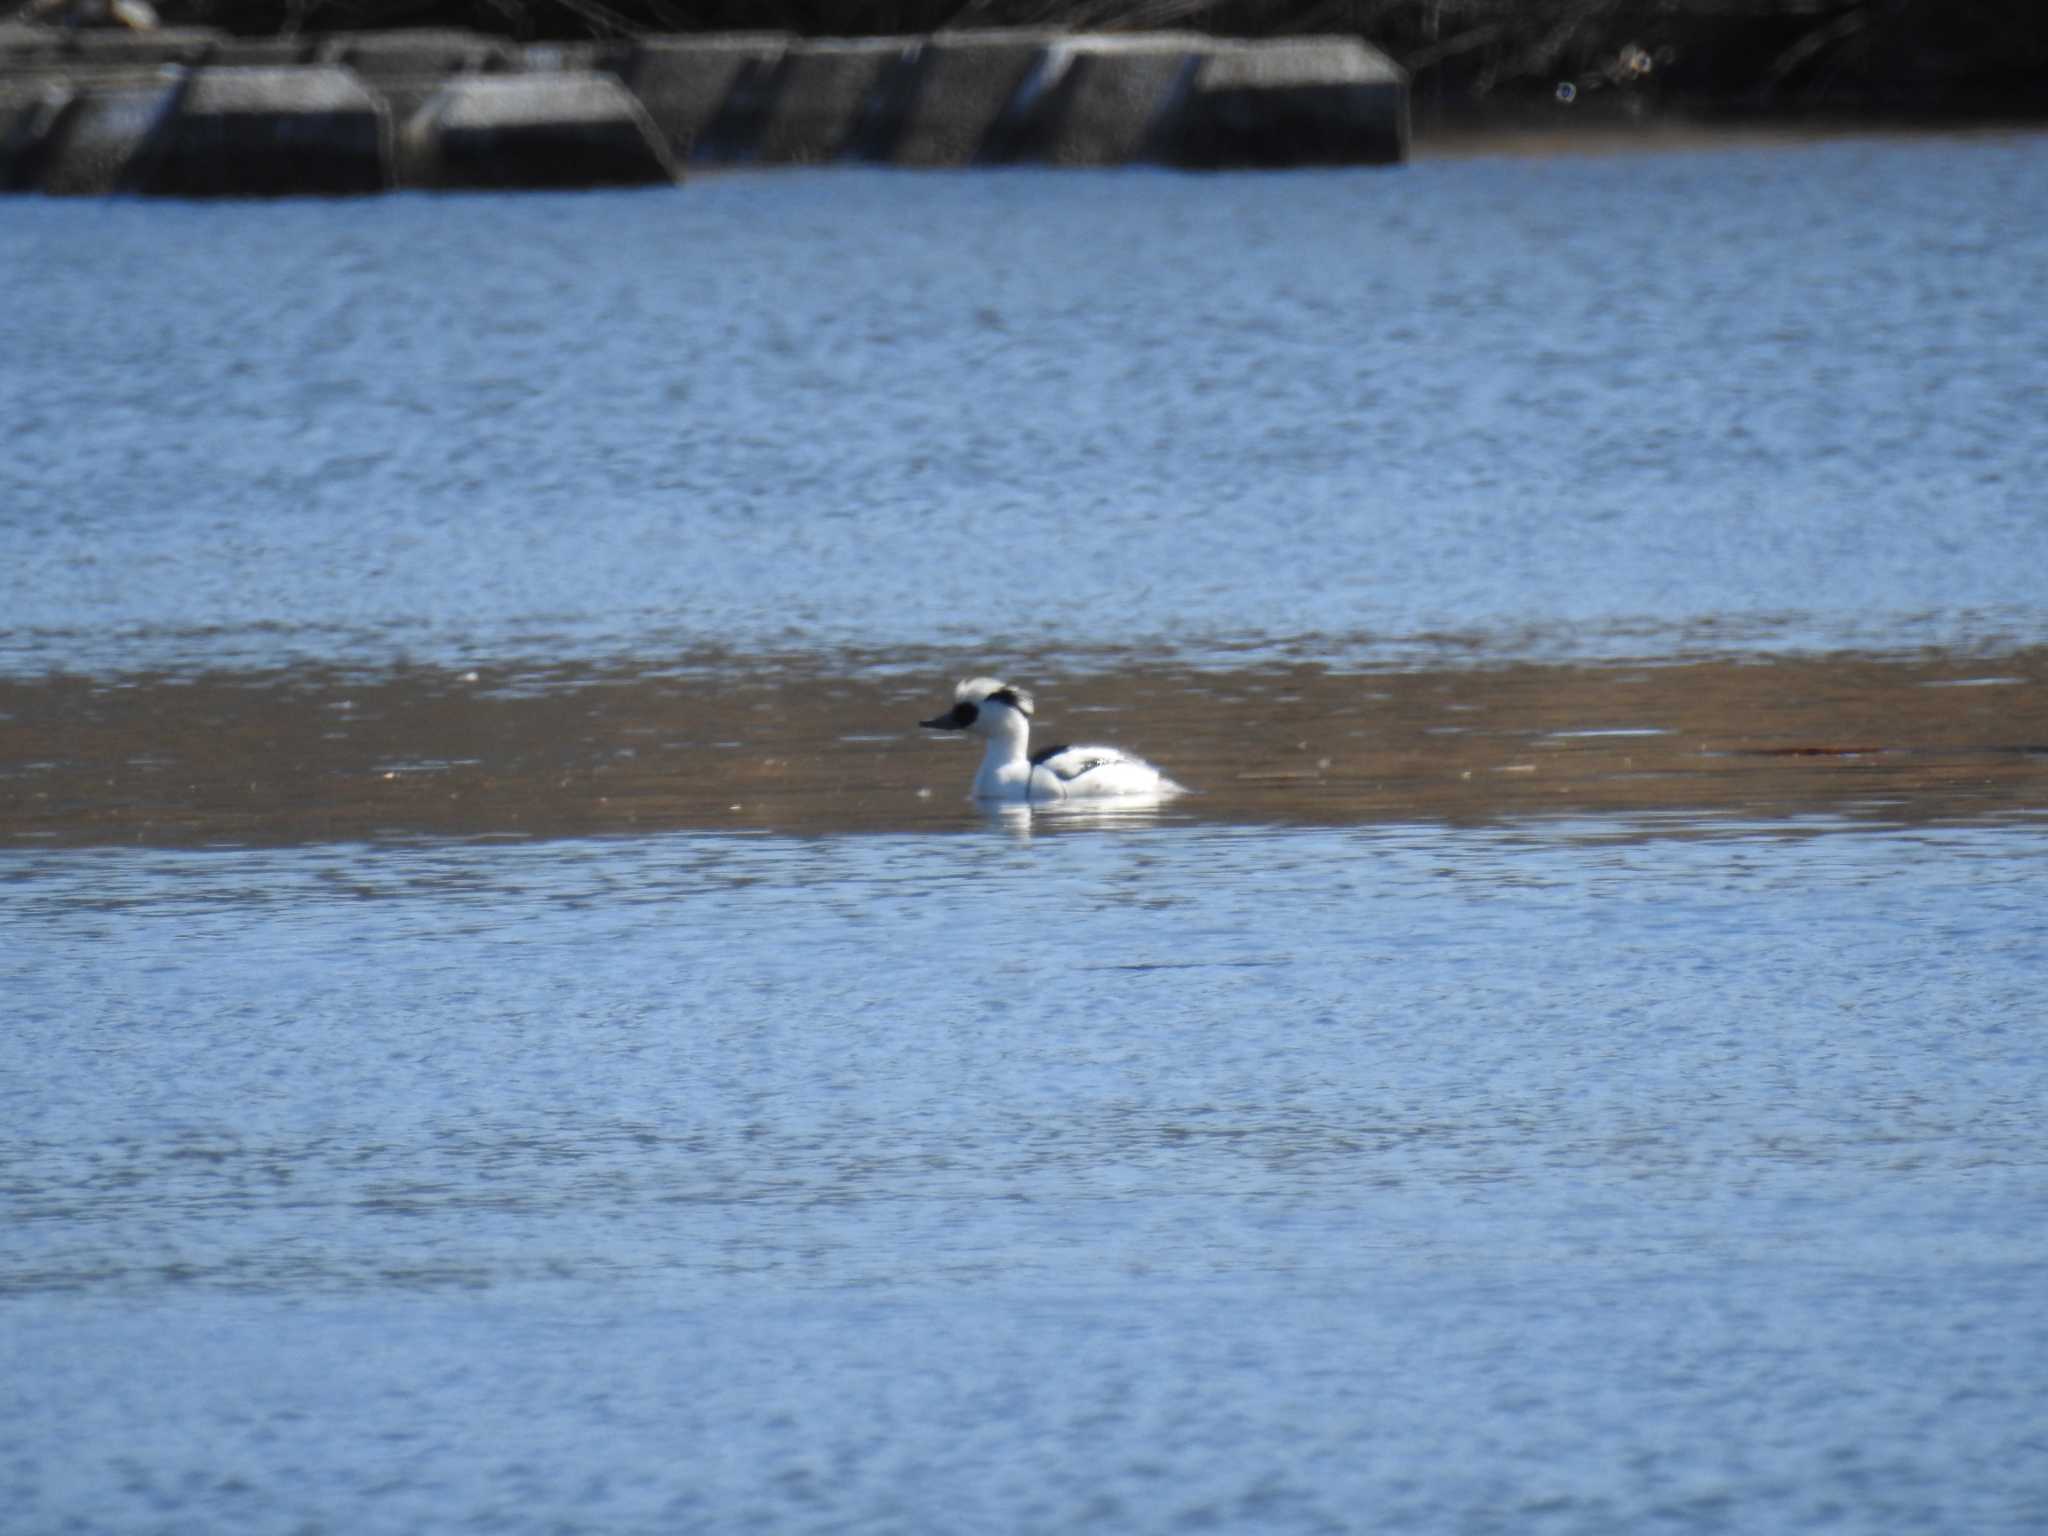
(1770, 397)
(1130, 1179)
(508, 1026)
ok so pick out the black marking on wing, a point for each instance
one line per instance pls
(1067, 772)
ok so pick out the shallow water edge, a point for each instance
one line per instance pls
(815, 745)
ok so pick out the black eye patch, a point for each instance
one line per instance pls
(965, 715)
(1021, 702)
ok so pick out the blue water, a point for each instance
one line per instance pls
(1761, 398)
(1673, 1171)
(1397, 1178)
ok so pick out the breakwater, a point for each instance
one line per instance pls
(193, 112)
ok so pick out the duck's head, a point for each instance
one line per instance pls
(984, 706)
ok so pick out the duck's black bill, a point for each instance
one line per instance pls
(958, 718)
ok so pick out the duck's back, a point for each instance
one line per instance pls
(1071, 772)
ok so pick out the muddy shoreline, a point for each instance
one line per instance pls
(305, 756)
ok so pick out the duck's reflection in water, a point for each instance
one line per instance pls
(1052, 816)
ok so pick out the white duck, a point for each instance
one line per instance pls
(1001, 715)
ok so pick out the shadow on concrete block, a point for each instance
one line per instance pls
(710, 96)
(579, 130)
(30, 112)
(958, 96)
(257, 132)
(110, 134)
(835, 98)
(1296, 101)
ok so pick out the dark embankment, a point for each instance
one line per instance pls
(1884, 59)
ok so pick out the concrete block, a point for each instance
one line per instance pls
(568, 58)
(711, 96)
(257, 132)
(22, 41)
(834, 98)
(1294, 101)
(1099, 100)
(419, 51)
(403, 96)
(110, 133)
(629, 111)
(580, 130)
(165, 45)
(960, 93)
(30, 111)
(250, 52)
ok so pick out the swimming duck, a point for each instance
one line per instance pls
(992, 709)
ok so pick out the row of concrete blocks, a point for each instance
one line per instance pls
(189, 113)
